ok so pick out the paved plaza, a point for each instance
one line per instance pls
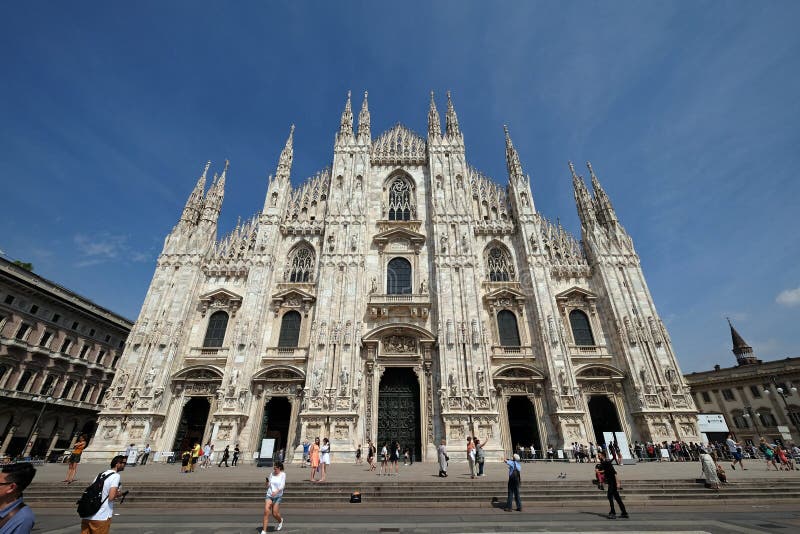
(196, 520)
(458, 472)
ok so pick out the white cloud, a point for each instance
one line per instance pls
(105, 247)
(789, 297)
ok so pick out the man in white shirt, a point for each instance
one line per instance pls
(733, 447)
(100, 523)
(146, 454)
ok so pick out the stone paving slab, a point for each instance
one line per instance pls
(418, 472)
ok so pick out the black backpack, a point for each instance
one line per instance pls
(516, 476)
(92, 498)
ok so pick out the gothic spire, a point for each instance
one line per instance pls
(363, 120)
(742, 351)
(451, 119)
(512, 159)
(194, 204)
(287, 154)
(582, 198)
(434, 123)
(605, 210)
(346, 124)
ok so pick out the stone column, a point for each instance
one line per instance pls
(171, 424)
(6, 441)
(29, 445)
(53, 442)
(291, 436)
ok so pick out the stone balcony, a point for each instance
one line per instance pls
(55, 402)
(285, 355)
(218, 355)
(408, 305)
(508, 352)
(589, 352)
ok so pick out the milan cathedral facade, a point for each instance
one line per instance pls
(402, 295)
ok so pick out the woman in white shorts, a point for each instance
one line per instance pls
(276, 482)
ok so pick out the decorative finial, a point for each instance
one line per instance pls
(434, 123)
(572, 170)
(364, 120)
(451, 119)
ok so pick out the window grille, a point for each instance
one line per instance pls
(581, 329)
(398, 277)
(215, 334)
(290, 330)
(301, 265)
(507, 328)
(400, 204)
(499, 265)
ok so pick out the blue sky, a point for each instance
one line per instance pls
(688, 111)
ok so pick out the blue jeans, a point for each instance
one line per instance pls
(480, 468)
(513, 489)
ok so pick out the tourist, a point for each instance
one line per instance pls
(371, 455)
(443, 458)
(720, 471)
(781, 455)
(15, 516)
(225, 454)
(313, 454)
(276, 482)
(598, 475)
(480, 456)
(195, 455)
(205, 457)
(709, 471)
(735, 452)
(306, 457)
(235, 461)
(146, 454)
(394, 456)
(533, 452)
(186, 459)
(769, 454)
(100, 523)
(550, 453)
(75, 458)
(592, 452)
(358, 455)
(610, 477)
(514, 481)
(384, 460)
(325, 458)
(471, 456)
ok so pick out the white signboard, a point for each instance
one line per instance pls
(622, 443)
(132, 454)
(712, 422)
(267, 448)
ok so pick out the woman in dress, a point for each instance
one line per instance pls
(325, 458)
(314, 454)
(769, 453)
(75, 458)
(442, 453)
(709, 471)
(371, 455)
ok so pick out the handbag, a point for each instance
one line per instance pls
(446, 458)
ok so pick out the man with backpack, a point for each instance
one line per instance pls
(96, 505)
(514, 481)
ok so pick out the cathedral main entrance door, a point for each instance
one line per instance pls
(192, 427)
(604, 417)
(398, 410)
(522, 424)
(275, 423)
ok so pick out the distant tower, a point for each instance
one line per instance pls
(743, 351)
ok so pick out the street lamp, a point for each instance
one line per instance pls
(35, 426)
(754, 416)
(782, 393)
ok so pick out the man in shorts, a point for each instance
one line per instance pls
(734, 449)
(100, 523)
(306, 448)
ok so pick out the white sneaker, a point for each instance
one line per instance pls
(280, 525)
(263, 532)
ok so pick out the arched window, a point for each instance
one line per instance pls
(498, 263)
(100, 397)
(23, 381)
(290, 330)
(398, 277)
(400, 202)
(581, 330)
(507, 327)
(215, 334)
(301, 265)
(739, 421)
(767, 419)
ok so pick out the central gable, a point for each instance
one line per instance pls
(399, 145)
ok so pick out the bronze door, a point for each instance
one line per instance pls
(398, 411)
